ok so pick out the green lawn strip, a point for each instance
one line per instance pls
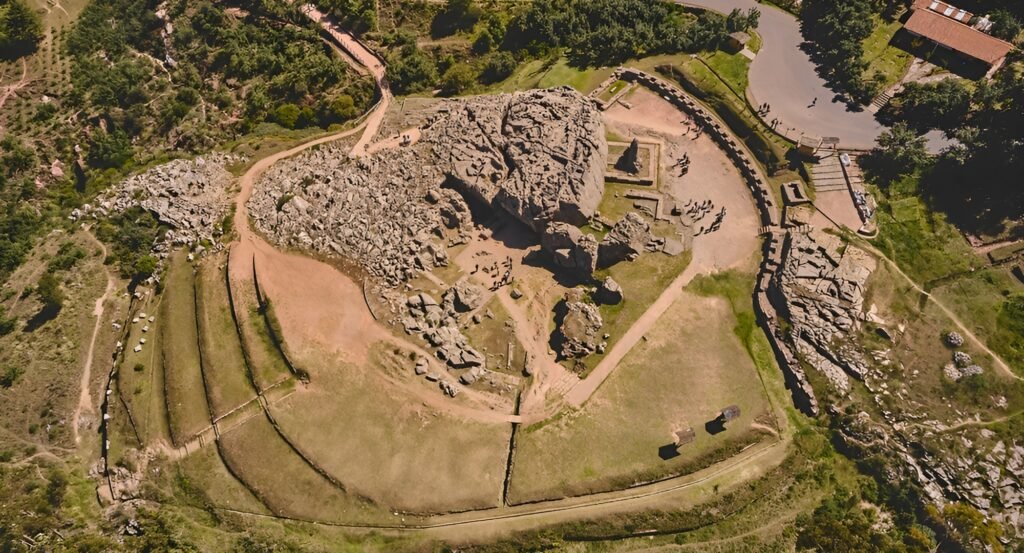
(265, 360)
(140, 379)
(889, 61)
(186, 398)
(980, 300)
(202, 480)
(922, 242)
(224, 366)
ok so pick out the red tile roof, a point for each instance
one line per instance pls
(957, 36)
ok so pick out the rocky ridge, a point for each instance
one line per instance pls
(538, 155)
(190, 195)
(821, 287)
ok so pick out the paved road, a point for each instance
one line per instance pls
(784, 76)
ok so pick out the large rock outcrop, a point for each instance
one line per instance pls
(628, 237)
(570, 249)
(190, 195)
(821, 287)
(540, 155)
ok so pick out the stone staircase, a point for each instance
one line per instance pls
(828, 176)
(564, 384)
(881, 100)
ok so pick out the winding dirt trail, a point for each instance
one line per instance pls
(85, 396)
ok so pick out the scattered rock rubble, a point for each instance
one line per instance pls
(821, 288)
(438, 324)
(539, 155)
(190, 195)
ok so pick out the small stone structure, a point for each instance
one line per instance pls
(580, 328)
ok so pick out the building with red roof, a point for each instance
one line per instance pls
(958, 31)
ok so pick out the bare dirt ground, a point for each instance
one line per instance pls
(835, 207)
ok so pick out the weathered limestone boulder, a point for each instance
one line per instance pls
(628, 237)
(540, 155)
(462, 297)
(571, 249)
(580, 329)
(190, 195)
(453, 347)
(609, 292)
(821, 286)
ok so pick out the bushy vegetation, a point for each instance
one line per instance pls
(20, 29)
(132, 235)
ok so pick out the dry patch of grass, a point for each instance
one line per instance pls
(386, 445)
(692, 365)
(223, 364)
(283, 481)
(187, 407)
(493, 335)
(203, 480)
(42, 356)
(140, 377)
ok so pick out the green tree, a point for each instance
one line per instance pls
(457, 79)
(109, 150)
(942, 105)
(20, 29)
(9, 376)
(412, 72)
(1005, 25)
(287, 115)
(49, 292)
(498, 67)
(972, 528)
(900, 151)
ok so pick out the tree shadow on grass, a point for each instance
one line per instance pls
(45, 315)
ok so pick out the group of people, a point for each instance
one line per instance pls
(683, 164)
(763, 109)
(697, 211)
(715, 225)
(506, 276)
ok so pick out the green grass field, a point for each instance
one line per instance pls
(141, 377)
(889, 61)
(202, 480)
(224, 367)
(692, 365)
(186, 399)
(642, 281)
